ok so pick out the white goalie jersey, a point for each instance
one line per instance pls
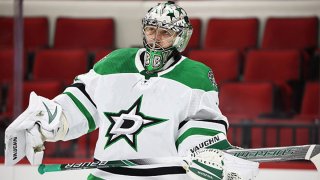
(142, 115)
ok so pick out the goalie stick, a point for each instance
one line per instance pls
(287, 153)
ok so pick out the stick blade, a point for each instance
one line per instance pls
(315, 157)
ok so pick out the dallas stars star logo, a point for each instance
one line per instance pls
(171, 15)
(127, 124)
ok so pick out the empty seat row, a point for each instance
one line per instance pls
(36, 32)
(274, 65)
(250, 107)
(273, 133)
(52, 64)
(70, 33)
(237, 33)
(279, 33)
(243, 33)
(278, 66)
(269, 65)
(284, 68)
(250, 100)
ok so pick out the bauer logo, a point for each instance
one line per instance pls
(15, 148)
(267, 153)
(85, 164)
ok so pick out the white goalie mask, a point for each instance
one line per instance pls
(166, 29)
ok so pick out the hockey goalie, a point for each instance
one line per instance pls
(147, 102)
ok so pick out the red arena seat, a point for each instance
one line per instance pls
(275, 66)
(62, 65)
(7, 64)
(90, 34)
(272, 65)
(225, 64)
(311, 101)
(246, 100)
(291, 33)
(36, 32)
(236, 33)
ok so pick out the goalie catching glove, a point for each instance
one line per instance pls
(213, 164)
(43, 120)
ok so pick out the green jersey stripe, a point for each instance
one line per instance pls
(92, 177)
(85, 112)
(195, 131)
(129, 163)
(203, 174)
(214, 171)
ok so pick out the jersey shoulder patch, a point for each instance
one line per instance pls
(193, 74)
(118, 61)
